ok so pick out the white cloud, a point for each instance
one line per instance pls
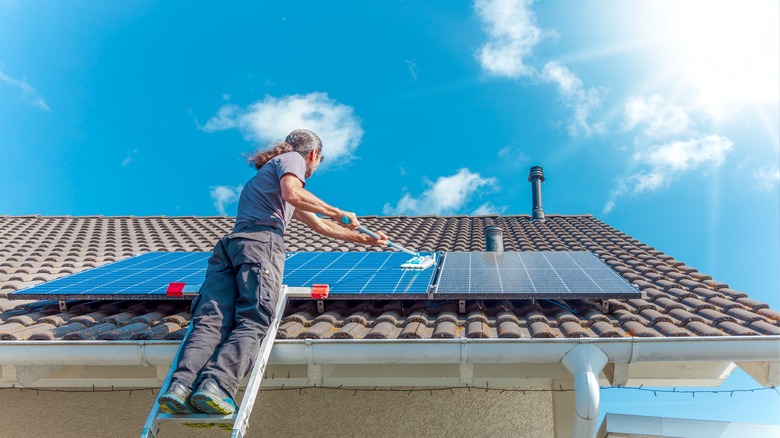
(488, 208)
(766, 178)
(412, 68)
(574, 95)
(662, 164)
(28, 92)
(271, 119)
(683, 156)
(512, 36)
(130, 157)
(513, 156)
(448, 195)
(658, 117)
(225, 195)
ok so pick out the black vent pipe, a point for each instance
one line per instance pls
(494, 239)
(536, 178)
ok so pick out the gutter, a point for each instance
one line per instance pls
(584, 358)
(406, 351)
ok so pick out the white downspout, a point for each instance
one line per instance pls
(585, 363)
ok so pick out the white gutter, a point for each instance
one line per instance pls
(406, 351)
(584, 358)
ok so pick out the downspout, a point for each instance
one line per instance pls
(585, 363)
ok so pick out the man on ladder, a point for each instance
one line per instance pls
(238, 299)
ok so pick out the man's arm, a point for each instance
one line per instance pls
(302, 199)
(330, 229)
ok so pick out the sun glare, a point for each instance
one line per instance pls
(726, 52)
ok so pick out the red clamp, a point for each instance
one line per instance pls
(175, 289)
(320, 291)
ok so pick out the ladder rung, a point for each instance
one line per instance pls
(196, 418)
(239, 420)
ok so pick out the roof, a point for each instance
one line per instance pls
(680, 301)
(641, 426)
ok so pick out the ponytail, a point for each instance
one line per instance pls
(302, 141)
(261, 157)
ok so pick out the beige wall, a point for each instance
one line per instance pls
(313, 412)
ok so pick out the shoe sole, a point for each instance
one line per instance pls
(209, 403)
(176, 406)
(173, 405)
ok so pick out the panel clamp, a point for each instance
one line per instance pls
(320, 291)
(182, 289)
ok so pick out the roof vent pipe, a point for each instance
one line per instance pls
(536, 178)
(494, 238)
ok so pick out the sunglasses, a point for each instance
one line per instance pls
(322, 157)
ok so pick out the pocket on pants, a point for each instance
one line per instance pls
(251, 248)
(269, 288)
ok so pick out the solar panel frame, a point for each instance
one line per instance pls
(370, 275)
(351, 275)
(142, 277)
(521, 275)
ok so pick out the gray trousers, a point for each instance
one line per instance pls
(234, 309)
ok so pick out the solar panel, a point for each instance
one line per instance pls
(145, 276)
(355, 275)
(349, 274)
(559, 274)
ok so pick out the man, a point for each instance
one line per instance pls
(238, 299)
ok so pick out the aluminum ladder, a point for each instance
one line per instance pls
(240, 419)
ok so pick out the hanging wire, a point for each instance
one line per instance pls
(431, 391)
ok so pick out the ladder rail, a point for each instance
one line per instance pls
(152, 424)
(258, 370)
(240, 419)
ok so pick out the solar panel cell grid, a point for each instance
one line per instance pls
(358, 275)
(529, 274)
(368, 275)
(140, 277)
(350, 275)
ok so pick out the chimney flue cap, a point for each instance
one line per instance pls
(536, 171)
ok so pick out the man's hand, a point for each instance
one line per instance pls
(378, 242)
(353, 220)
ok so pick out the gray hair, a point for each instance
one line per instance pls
(303, 141)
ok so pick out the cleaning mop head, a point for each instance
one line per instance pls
(420, 262)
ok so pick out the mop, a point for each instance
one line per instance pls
(416, 262)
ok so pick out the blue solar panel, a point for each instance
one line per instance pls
(141, 277)
(369, 275)
(349, 274)
(559, 274)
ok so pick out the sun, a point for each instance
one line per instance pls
(727, 52)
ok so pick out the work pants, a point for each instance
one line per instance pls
(234, 309)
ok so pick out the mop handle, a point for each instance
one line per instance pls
(365, 230)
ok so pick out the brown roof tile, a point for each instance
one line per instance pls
(764, 328)
(735, 329)
(680, 301)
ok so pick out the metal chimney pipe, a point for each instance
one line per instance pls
(536, 178)
(494, 238)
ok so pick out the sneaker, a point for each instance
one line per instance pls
(176, 400)
(211, 399)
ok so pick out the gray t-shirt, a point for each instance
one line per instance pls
(261, 199)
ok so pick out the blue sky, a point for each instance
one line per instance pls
(659, 118)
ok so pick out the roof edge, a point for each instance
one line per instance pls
(454, 216)
(407, 351)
